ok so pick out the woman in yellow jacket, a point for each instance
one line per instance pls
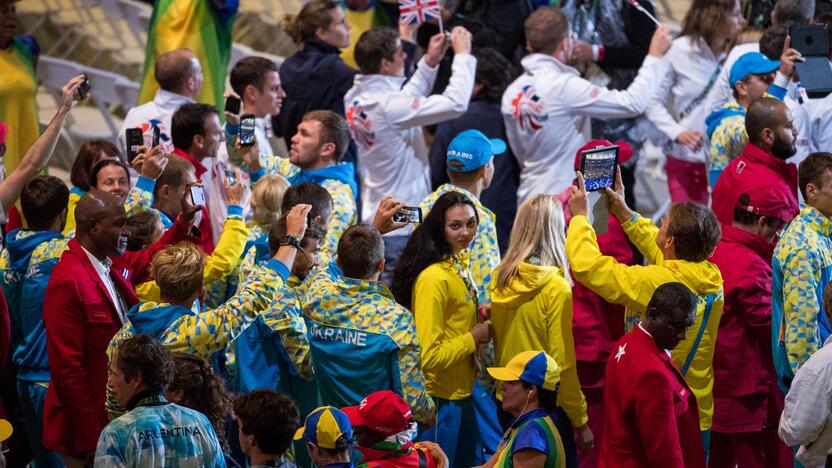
(433, 280)
(531, 308)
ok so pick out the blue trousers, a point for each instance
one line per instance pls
(32, 397)
(467, 430)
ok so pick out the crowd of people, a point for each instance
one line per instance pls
(425, 278)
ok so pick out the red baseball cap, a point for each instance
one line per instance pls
(624, 150)
(765, 200)
(384, 412)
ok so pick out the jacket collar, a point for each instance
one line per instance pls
(200, 169)
(755, 154)
(815, 217)
(314, 46)
(168, 99)
(534, 62)
(754, 242)
(121, 284)
(377, 83)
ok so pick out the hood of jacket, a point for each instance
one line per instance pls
(22, 242)
(527, 283)
(702, 277)
(154, 318)
(342, 172)
(715, 118)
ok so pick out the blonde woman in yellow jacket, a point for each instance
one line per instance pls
(676, 252)
(433, 280)
(531, 306)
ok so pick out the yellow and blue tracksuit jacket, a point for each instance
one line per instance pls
(26, 265)
(484, 250)
(633, 286)
(801, 268)
(727, 137)
(362, 341)
(273, 352)
(159, 433)
(220, 263)
(337, 179)
(139, 198)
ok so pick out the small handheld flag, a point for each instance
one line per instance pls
(419, 11)
(640, 8)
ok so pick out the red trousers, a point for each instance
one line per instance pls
(686, 181)
(762, 449)
(591, 376)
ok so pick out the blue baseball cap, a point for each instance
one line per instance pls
(752, 62)
(471, 150)
(324, 427)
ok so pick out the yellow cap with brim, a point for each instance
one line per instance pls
(533, 367)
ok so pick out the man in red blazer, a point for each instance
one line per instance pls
(651, 418)
(86, 300)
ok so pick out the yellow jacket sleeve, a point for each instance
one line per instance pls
(632, 286)
(439, 352)
(562, 349)
(642, 233)
(225, 257)
(70, 213)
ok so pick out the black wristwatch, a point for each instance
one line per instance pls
(289, 240)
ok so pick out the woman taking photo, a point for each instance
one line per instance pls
(678, 110)
(531, 308)
(433, 280)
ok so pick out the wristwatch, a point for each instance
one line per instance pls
(289, 240)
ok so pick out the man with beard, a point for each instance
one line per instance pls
(772, 140)
(85, 304)
(801, 267)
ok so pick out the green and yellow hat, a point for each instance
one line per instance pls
(533, 367)
(324, 426)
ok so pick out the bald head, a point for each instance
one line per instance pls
(764, 113)
(101, 224)
(180, 72)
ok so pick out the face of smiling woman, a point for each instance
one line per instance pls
(460, 226)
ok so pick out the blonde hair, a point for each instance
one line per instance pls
(266, 197)
(540, 231)
(178, 270)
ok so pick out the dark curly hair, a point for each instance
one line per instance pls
(202, 391)
(426, 246)
(494, 73)
(271, 417)
(142, 355)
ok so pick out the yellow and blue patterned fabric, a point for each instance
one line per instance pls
(222, 261)
(273, 352)
(337, 179)
(324, 426)
(159, 433)
(18, 92)
(727, 136)
(221, 290)
(533, 367)
(484, 250)
(75, 194)
(362, 341)
(536, 431)
(26, 264)
(633, 287)
(801, 267)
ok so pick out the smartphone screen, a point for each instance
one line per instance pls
(156, 135)
(247, 130)
(408, 214)
(232, 105)
(197, 195)
(598, 167)
(231, 176)
(133, 139)
(84, 87)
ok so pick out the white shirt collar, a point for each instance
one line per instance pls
(645, 331)
(103, 268)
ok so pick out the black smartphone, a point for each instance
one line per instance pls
(197, 195)
(232, 104)
(157, 133)
(84, 88)
(408, 214)
(231, 176)
(133, 139)
(247, 130)
(812, 41)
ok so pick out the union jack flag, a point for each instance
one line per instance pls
(418, 11)
(528, 109)
(360, 125)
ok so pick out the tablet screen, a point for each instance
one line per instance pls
(598, 167)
